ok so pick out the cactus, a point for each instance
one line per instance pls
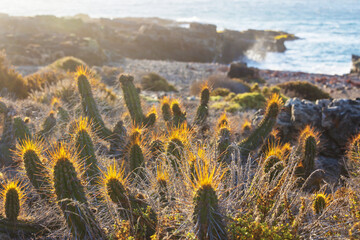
(320, 203)
(63, 115)
(150, 118)
(224, 142)
(89, 105)
(161, 178)
(264, 128)
(179, 117)
(156, 148)
(86, 151)
(136, 158)
(166, 110)
(203, 109)
(118, 140)
(353, 154)
(274, 159)
(132, 207)
(206, 215)
(12, 195)
(30, 152)
(21, 131)
(307, 149)
(132, 99)
(71, 196)
(47, 127)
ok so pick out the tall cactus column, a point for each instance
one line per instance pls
(89, 105)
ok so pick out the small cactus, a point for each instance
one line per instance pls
(166, 110)
(118, 139)
(47, 127)
(150, 118)
(86, 151)
(206, 214)
(162, 183)
(320, 203)
(353, 154)
(136, 158)
(12, 195)
(224, 142)
(307, 149)
(179, 117)
(21, 131)
(89, 105)
(30, 153)
(203, 109)
(264, 128)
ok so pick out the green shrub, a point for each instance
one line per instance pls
(11, 80)
(155, 82)
(304, 90)
(250, 100)
(223, 92)
(246, 228)
(68, 64)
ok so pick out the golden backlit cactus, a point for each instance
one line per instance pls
(166, 109)
(223, 120)
(203, 109)
(206, 213)
(162, 179)
(353, 154)
(264, 128)
(307, 149)
(31, 153)
(321, 201)
(179, 117)
(13, 197)
(177, 143)
(223, 142)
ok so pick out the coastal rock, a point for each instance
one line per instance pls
(355, 64)
(240, 70)
(41, 40)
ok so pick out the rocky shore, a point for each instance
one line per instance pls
(41, 40)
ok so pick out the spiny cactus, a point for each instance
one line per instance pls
(179, 117)
(270, 141)
(307, 149)
(162, 184)
(47, 126)
(21, 131)
(150, 118)
(132, 99)
(320, 203)
(71, 196)
(206, 214)
(224, 142)
(133, 103)
(30, 152)
(177, 143)
(12, 196)
(203, 109)
(134, 208)
(264, 128)
(86, 151)
(274, 160)
(118, 139)
(89, 105)
(166, 110)
(353, 154)
(156, 148)
(136, 158)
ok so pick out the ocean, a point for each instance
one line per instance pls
(329, 30)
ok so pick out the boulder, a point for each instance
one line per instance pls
(355, 64)
(241, 70)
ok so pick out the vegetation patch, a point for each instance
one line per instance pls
(154, 82)
(304, 90)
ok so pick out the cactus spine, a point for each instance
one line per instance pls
(71, 197)
(89, 105)
(264, 128)
(86, 150)
(203, 109)
(118, 140)
(30, 153)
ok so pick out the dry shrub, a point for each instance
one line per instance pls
(11, 80)
(304, 90)
(154, 82)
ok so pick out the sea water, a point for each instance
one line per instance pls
(329, 30)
